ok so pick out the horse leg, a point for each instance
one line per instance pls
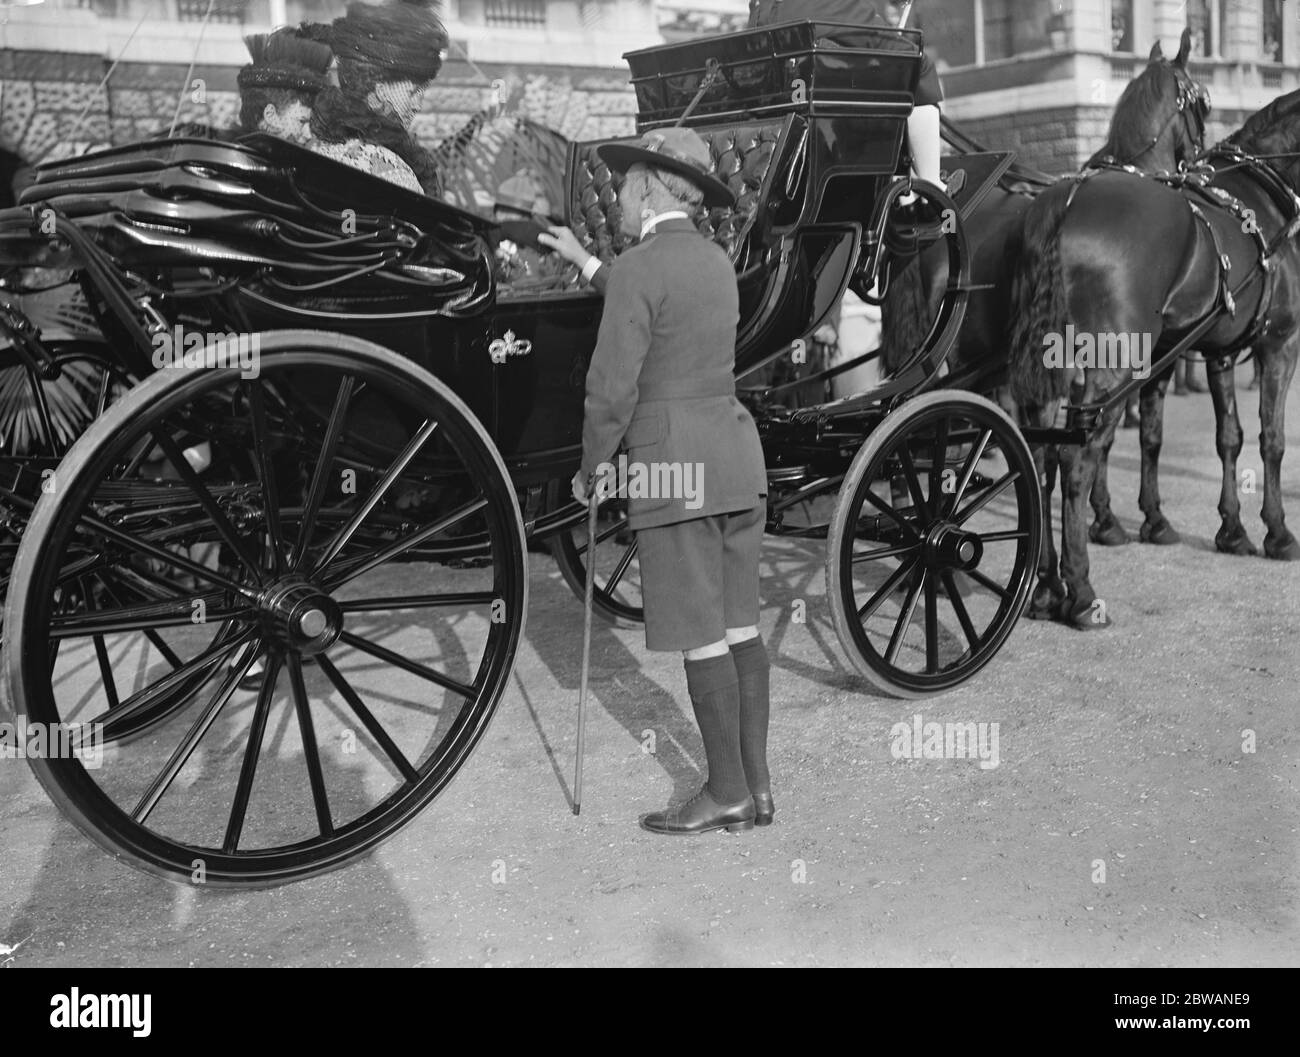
(1155, 526)
(1081, 608)
(1049, 591)
(1275, 380)
(1105, 528)
(1231, 537)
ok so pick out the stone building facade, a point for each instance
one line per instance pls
(82, 73)
(1042, 76)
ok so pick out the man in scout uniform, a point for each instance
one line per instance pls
(661, 384)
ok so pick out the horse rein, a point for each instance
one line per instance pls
(1193, 103)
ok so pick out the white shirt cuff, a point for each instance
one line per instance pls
(590, 268)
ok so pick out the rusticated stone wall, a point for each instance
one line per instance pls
(45, 98)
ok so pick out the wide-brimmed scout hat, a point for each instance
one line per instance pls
(676, 150)
(400, 40)
(285, 60)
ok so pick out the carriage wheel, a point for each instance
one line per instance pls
(616, 594)
(327, 671)
(933, 549)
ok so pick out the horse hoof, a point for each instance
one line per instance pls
(1046, 601)
(1159, 532)
(1235, 542)
(1084, 616)
(1286, 549)
(1109, 533)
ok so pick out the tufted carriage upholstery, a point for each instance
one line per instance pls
(744, 157)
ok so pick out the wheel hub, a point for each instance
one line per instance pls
(300, 615)
(948, 545)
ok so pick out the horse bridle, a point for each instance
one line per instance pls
(1192, 105)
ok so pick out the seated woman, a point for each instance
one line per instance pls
(278, 88)
(388, 55)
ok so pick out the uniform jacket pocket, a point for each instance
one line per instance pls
(646, 427)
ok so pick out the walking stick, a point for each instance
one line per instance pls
(593, 504)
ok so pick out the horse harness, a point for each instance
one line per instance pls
(1195, 184)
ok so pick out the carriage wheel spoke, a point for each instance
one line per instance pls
(931, 627)
(601, 536)
(368, 719)
(989, 494)
(168, 654)
(623, 564)
(385, 654)
(458, 598)
(162, 554)
(891, 513)
(968, 469)
(220, 522)
(1006, 534)
(992, 585)
(959, 607)
(101, 653)
(142, 699)
(316, 490)
(137, 618)
(252, 751)
(873, 603)
(341, 538)
(884, 552)
(913, 481)
(159, 786)
(400, 547)
(302, 706)
(938, 457)
(905, 615)
(265, 473)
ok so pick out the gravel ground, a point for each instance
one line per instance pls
(1124, 824)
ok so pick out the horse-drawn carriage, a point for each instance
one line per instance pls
(281, 570)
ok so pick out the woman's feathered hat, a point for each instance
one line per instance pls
(400, 40)
(285, 60)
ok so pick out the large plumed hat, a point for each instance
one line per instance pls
(285, 60)
(677, 150)
(400, 40)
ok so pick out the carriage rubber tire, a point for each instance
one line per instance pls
(87, 449)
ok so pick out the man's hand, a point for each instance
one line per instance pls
(565, 243)
(603, 479)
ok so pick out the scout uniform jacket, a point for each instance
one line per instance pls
(661, 380)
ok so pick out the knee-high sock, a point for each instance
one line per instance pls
(753, 671)
(715, 695)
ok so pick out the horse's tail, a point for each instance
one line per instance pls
(1038, 302)
(905, 316)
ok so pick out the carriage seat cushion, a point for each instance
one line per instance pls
(743, 157)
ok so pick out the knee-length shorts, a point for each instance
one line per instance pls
(700, 577)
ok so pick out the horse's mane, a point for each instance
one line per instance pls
(1275, 129)
(1131, 124)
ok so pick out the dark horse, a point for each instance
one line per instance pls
(1123, 254)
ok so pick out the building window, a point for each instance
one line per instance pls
(515, 14)
(1121, 25)
(1272, 31)
(222, 10)
(1201, 24)
(999, 29)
